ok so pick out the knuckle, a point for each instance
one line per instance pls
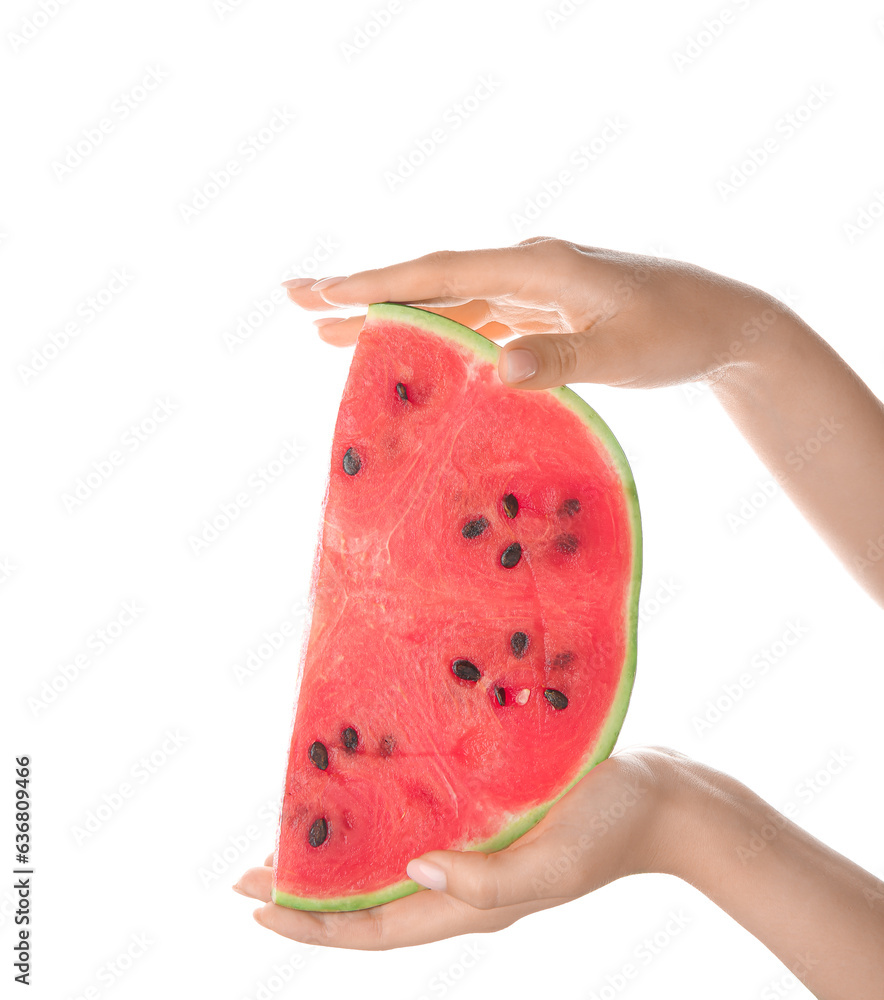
(564, 354)
(486, 892)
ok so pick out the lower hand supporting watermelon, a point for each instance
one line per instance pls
(642, 810)
(585, 314)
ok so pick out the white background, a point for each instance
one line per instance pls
(691, 104)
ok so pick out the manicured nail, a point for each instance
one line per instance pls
(427, 874)
(520, 364)
(236, 888)
(327, 282)
(257, 915)
(296, 282)
(328, 320)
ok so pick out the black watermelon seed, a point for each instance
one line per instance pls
(567, 544)
(569, 508)
(555, 698)
(511, 555)
(510, 505)
(352, 461)
(318, 832)
(519, 643)
(562, 659)
(350, 738)
(388, 745)
(465, 670)
(500, 695)
(319, 755)
(474, 528)
(402, 392)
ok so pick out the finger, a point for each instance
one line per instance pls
(510, 877)
(302, 296)
(340, 332)
(269, 861)
(257, 883)
(446, 277)
(541, 361)
(417, 919)
(495, 331)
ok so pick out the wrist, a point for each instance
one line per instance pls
(700, 817)
(757, 343)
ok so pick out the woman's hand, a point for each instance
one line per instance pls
(583, 314)
(642, 810)
(612, 823)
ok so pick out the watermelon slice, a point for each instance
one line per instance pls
(471, 638)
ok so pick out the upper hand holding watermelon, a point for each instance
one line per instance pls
(585, 314)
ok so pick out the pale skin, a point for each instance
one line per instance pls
(584, 314)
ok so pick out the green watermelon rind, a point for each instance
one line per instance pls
(442, 325)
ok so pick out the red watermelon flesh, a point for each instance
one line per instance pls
(470, 646)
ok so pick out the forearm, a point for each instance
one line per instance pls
(820, 431)
(819, 913)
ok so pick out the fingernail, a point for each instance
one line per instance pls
(328, 320)
(296, 282)
(427, 874)
(236, 888)
(257, 915)
(520, 364)
(327, 282)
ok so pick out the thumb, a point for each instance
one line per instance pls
(541, 361)
(486, 881)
